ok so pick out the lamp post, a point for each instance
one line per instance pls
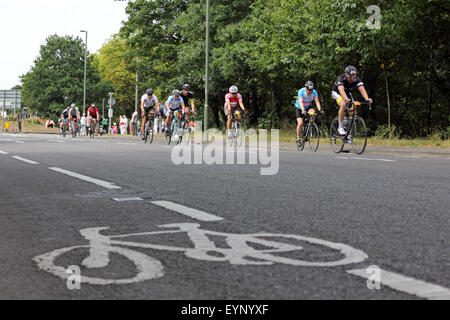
(206, 71)
(85, 58)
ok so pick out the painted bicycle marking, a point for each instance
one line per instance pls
(239, 252)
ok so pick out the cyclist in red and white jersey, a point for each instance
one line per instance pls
(232, 99)
(92, 113)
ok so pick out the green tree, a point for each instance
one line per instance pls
(58, 72)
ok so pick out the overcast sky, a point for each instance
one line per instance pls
(25, 24)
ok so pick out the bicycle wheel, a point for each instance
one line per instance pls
(238, 133)
(313, 137)
(359, 133)
(64, 131)
(336, 141)
(146, 132)
(168, 134)
(177, 137)
(74, 131)
(149, 136)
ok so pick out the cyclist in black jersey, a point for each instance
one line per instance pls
(187, 95)
(341, 92)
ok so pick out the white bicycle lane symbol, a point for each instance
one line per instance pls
(240, 252)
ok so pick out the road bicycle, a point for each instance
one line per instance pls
(260, 249)
(174, 135)
(148, 129)
(186, 128)
(73, 128)
(92, 128)
(235, 134)
(355, 127)
(64, 128)
(310, 133)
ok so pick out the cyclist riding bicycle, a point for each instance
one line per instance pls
(342, 94)
(232, 99)
(63, 119)
(174, 105)
(303, 103)
(74, 114)
(187, 95)
(148, 102)
(92, 113)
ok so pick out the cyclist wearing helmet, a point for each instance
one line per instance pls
(74, 114)
(174, 105)
(303, 103)
(148, 102)
(186, 95)
(232, 99)
(92, 113)
(63, 119)
(342, 93)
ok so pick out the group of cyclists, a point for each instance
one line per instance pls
(72, 113)
(177, 104)
(341, 93)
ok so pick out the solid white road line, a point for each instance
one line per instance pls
(25, 160)
(104, 184)
(368, 159)
(3, 152)
(193, 213)
(408, 285)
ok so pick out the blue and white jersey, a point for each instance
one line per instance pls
(174, 103)
(307, 98)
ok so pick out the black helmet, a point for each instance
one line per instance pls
(175, 92)
(350, 69)
(185, 87)
(149, 91)
(309, 85)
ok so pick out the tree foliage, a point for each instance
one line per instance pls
(58, 72)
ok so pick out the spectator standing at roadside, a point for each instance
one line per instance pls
(83, 123)
(105, 124)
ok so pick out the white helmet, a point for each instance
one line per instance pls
(234, 89)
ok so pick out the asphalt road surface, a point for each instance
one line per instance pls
(113, 218)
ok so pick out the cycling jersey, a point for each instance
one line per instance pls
(92, 111)
(174, 103)
(74, 113)
(234, 101)
(65, 113)
(149, 102)
(186, 98)
(341, 81)
(307, 99)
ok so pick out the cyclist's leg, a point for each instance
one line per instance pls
(144, 120)
(299, 116)
(342, 105)
(229, 117)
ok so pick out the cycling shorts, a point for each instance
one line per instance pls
(173, 111)
(336, 96)
(233, 111)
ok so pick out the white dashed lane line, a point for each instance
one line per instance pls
(3, 152)
(25, 160)
(192, 213)
(408, 285)
(104, 184)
